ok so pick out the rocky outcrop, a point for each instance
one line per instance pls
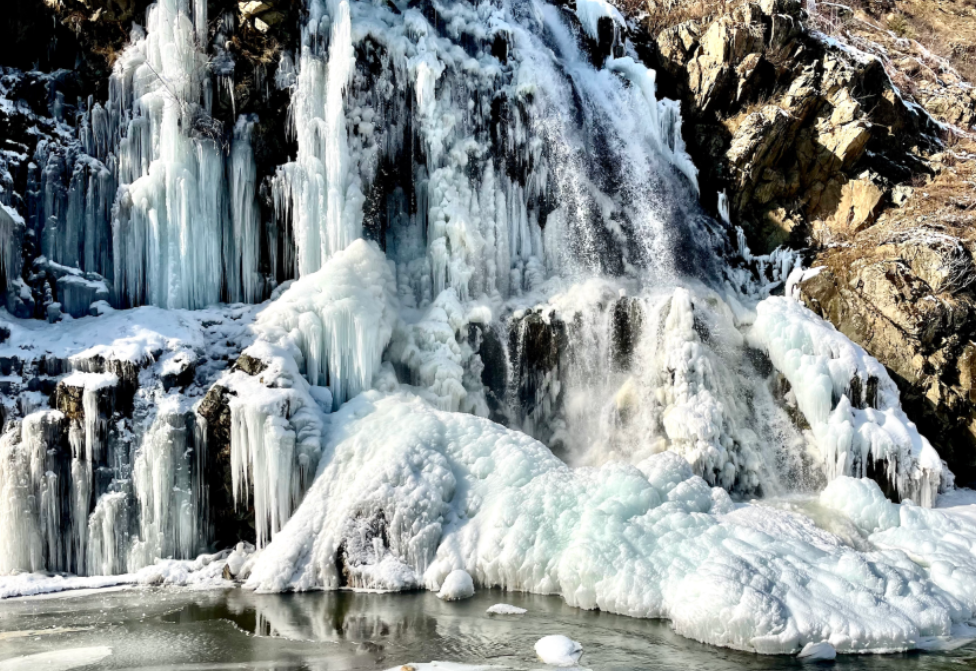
(841, 145)
(808, 138)
(905, 292)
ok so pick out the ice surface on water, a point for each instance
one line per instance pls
(59, 660)
(430, 492)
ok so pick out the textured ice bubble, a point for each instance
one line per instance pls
(557, 650)
(457, 585)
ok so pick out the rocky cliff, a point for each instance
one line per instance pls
(845, 130)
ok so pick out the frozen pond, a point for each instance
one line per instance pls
(158, 628)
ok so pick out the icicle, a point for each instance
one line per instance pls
(723, 209)
(165, 473)
(242, 279)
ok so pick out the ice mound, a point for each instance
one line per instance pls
(406, 494)
(338, 320)
(558, 650)
(818, 652)
(457, 586)
(851, 403)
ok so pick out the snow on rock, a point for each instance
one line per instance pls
(506, 609)
(204, 572)
(136, 336)
(328, 328)
(457, 586)
(407, 493)
(557, 650)
(818, 652)
(851, 403)
(337, 320)
(590, 12)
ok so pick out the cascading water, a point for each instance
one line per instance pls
(492, 216)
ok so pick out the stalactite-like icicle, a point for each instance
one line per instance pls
(241, 244)
(166, 472)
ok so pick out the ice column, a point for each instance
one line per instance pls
(319, 191)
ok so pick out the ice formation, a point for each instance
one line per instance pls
(818, 652)
(557, 650)
(410, 494)
(457, 586)
(498, 256)
(852, 404)
(146, 197)
(505, 609)
(87, 489)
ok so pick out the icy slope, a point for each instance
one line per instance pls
(851, 403)
(406, 494)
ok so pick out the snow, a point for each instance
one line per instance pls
(203, 572)
(57, 660)
(136, 336)
(407, 493)
(818, 652)
(557, 650)
(457, 586)
(960, 503)
(506, 609)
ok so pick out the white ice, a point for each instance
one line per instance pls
(851, 403)
(454, 491)
(558, 650)
(506, 609)
(457, 586)
(818, 652)
(57, 660)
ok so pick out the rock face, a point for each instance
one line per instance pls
(907, 297)
(840, 145)
(807, 138)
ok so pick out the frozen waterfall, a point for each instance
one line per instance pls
(495, 331)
